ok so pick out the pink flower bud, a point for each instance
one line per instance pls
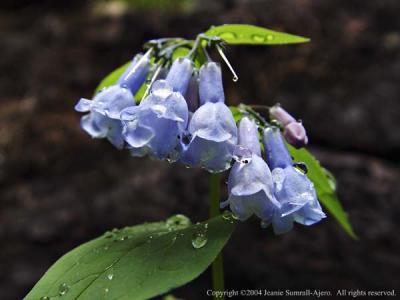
(281, 115)
(295, 134)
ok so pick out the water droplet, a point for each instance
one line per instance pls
(105, 248)
(242, 154)
(258, 38)
(227, 35)
(206, 226)
(301, 166)
(106, 290)
(199, 240)
(270, 37)
(44, 298)
(264, 224)
(110, 276)
(63, 289)
(177, 222)
(109, 235)
(226, 215)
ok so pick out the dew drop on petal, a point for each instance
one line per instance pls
(264, 224)
(242, 154)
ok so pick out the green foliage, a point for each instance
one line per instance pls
(325, 186)
(136, 262)
(237, 114)
(242, 34)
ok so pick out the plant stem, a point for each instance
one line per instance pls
(217, 266)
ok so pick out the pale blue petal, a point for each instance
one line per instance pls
(248, 135)
(179, 75)
(83, 105)
(276, 153)
(210, 83)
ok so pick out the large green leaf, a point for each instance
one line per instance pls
(325, 186)
(241, 34)
(136, 262)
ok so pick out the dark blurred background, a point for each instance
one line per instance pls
(59, 188)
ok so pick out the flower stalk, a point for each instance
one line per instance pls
(217, 267)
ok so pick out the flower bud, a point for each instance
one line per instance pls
(136, 73)
(210, 85)
(276, 153)
(248, 135)
(295, 134)
(179, 75)
(281, 115)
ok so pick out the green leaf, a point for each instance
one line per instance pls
(112, 78)
(242, 34)
(325, 186)
(136, 262)
(237, 114)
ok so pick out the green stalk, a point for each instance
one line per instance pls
(217, 267)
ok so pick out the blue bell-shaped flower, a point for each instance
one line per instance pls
(155, 126)
(105, 108)
(293, 190)
(250, 185)
(212, 133)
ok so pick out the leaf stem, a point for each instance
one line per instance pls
(217, 267)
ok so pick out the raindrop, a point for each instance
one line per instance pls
(106, 290)
(44, 298)
(63, 289)
(110, 276)
(270, 37)
(177, 222)
(199, 240)
(258, 38)
(301, 166)
(242, 154)
(264, 224)
(109, 235)
(227, 35)
(226, 215)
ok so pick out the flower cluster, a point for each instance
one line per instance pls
(184, 118)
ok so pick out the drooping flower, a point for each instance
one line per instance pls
(250, 185)
(293, 190)
(104, 110)
(293, 130)
(155, 126)
(212, 133)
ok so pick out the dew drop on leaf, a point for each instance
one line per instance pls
(199, 240)
(258, 38)
(110, 276)
(228, 35)
(63, 289)
(44, 298)
(177, 222)
(270, 37)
